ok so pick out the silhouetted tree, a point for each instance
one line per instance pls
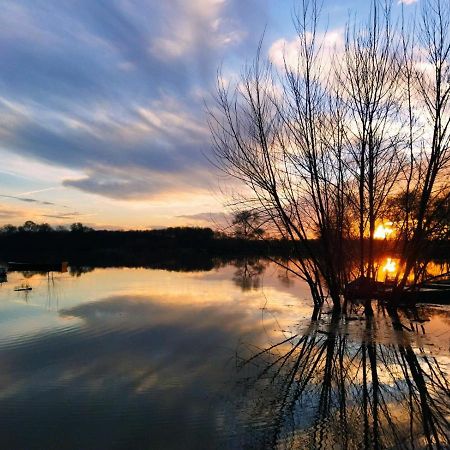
(247, 225)
(78, 227)
(324, 146)
(29, 227)
(8, 229)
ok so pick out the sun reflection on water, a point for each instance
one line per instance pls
(390, 266)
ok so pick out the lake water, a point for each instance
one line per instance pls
(123, 358)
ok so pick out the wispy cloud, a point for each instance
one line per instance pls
(9, 214)
(28, 200)
(207, 217)
(36, 192)
(109, 88)
(63, 216)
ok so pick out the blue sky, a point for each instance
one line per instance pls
(102, 104)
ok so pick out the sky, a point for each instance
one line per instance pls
(102, 104)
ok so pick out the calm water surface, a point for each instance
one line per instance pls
(150, 359)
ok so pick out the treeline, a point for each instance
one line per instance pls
(178, 248)
(32, 227)
(188, 247)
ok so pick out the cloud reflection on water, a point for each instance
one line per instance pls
(148, 358)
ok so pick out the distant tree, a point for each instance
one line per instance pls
(78, 227)
(440, 222)
(436, 220)
(44, 228)
(185, 233)
(247, 225)
(8, 229)
(29, 227)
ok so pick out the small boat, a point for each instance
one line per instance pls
(23, 287)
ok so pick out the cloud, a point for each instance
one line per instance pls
(28, 200)
(38, 191)
(139, 183)
(7, 214)
(128, 357)
(208, 217)
(63, 216)
(287, 51)
(139, 154)
(407, 2)
(110, 88)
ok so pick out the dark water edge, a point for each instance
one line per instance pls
(227, 358)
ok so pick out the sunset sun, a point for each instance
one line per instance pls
(383, 231)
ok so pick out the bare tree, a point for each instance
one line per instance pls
(370, 74)
(427, 190)
(324, 149)
(273, 137)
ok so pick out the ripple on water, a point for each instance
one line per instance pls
(139, 359)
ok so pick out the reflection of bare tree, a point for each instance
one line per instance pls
(285, 277)
(325, 389)
(77, 271)
(248, 273)
(33, 273)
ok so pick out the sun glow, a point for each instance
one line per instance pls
(383, 231)
(390, 266)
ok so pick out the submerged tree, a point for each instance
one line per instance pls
(325, 146)
(428, 93)
(275, 143)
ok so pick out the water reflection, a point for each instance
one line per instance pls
(248, 273)
(136, 371)
(132, 358)
(389, 268)
(135, 358)
(77, 271)
(351, 380)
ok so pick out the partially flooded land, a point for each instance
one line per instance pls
(234, 357)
